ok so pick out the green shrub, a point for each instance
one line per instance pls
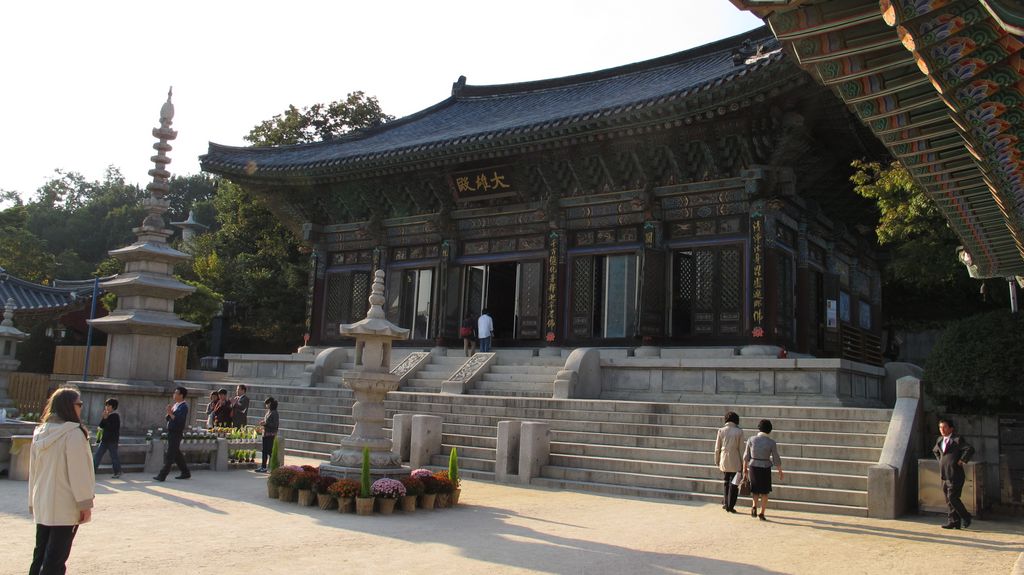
(453, 467)
(977, 366)
(275, 455)
(364, 476)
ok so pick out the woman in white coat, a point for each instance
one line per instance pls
(729, 457)
(61, 481)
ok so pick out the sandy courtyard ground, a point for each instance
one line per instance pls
(223, 523)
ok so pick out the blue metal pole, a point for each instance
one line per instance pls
(88, 339)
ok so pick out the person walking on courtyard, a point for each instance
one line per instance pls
(177, 420)
(468, 334)
(110, 425)
(270, 423)
(240, 407)
(484, 330)
(211, 410)
(60, 481)
(759, 455)
(953, 452)
(729, 458)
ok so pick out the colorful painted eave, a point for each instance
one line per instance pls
(941, 83)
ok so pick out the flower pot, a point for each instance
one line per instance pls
(326, 501)
(442, 500)
(408, 503)
(386, 505)
(345, 504)
(427, 500)
(272, 490)
(455, 497)
(364, 505)
(306, 497)
(286, 494)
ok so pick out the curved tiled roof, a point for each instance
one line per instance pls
(511, 113)
(940, 84)
(33, 298)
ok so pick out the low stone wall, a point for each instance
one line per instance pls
(141, 406)
(743, 380)
(284, 369)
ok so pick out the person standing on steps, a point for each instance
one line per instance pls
(759, 455)
(729, 457)
(468, 334)
(177, 420)
(484, 330)
(953, 452)
(240, 407)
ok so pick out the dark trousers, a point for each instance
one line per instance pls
(731, 491)
(110, 448)
(53, 546)
(952, 491)
(268, 448)
(174, 455)
(485, 344)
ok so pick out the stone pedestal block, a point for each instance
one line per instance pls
(401, 435)
(506, 462)
(534, 449)
(425, 440)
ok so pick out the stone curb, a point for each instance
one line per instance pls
(1018, 567)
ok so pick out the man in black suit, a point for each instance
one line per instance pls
(953, 452)
(177, 418)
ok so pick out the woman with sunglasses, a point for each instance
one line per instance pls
(60, 479)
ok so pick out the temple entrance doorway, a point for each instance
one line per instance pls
(510, 291)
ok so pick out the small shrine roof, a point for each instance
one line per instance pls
(32, 298)
(512, 113)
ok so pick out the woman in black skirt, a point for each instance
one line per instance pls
(759, 455)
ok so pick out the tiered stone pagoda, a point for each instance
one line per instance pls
(144, 330)
(9, 338)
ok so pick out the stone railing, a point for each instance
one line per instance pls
(891, 481)
(464, 377)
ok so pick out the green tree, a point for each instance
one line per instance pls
(319, 121)
(924, 283)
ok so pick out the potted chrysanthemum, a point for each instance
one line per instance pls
(430, 487)
(344, 491)
(413, 490)
(387, 491)
(324, 499)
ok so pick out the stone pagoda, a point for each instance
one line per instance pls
(371, 381)
(9, 338)
(143, 331)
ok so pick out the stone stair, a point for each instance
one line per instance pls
(430, 377)
(643, 449)
(516, 375)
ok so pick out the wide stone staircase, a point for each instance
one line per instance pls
(618, 447)
(515, 375)
(430, 377)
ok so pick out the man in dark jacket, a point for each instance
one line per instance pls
(240, 407)
(953, 452)
(177, 420)
(111, 426)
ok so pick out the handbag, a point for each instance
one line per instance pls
(745, 486)
(465, 331)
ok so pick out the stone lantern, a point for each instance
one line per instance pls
(9, 338)
(371, 381)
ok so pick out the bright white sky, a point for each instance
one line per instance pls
(82, 82)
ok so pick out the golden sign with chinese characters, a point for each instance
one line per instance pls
(757, 276)
(481, 183)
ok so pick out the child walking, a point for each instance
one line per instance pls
(110, 425)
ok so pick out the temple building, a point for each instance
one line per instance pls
(697, 199)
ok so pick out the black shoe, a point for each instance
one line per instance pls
(115, 476)
(731, 510)
(159, 478)
(967, 521)
(753, 512)
(951, 526)
(761, 517)
(183, 476)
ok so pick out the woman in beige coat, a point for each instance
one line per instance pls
(61, 481)
(729, 457)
